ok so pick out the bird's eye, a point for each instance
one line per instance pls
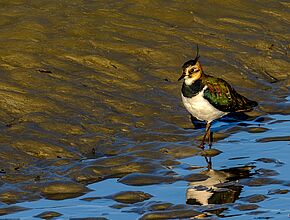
(193, 70)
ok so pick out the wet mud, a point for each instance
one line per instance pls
(91, 115)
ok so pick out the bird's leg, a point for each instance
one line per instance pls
(203, 140)
(207, 129)
(210, 139)
(209, 163)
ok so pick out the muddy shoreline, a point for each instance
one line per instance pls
(89, 93)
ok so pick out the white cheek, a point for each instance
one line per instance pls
(188, 81)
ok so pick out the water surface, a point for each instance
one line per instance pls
(90, 106)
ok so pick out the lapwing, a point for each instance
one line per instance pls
(208, 98)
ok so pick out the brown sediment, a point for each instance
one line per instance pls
(159, 206)
(139, 179)
(130, 197)
(88, 89)
(273, 139)
(255, 198)
(270, 160)
(257, 130)
(278, 191)
(262, 181)
(215, 209)
(119, 206)
(113, 167)
(11, 209)
(48, 215)
(12, 194)
(210, 152)
(62, 189)
(246, 207)
(267, 172)
(173, 214)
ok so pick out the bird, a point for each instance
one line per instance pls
(221, 186)
(208, 98)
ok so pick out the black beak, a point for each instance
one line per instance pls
(181, 77)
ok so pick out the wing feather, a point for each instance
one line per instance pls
(223, 97)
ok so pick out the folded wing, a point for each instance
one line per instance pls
(223, 97)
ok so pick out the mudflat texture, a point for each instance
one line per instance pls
(89, 93)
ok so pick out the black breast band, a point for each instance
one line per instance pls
(191, 90)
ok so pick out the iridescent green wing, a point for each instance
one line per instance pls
(223, 97)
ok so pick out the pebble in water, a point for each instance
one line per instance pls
(130, 197)
(48, 215)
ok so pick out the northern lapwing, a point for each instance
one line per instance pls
(208, 98)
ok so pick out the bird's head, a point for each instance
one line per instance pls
(191, 70)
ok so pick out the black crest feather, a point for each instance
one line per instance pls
(192, 62)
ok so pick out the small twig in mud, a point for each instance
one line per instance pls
(114, 66)
(44, 71)
(274, 80)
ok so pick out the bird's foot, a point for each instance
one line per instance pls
(201, 146)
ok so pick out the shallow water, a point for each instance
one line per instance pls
(90, 107)
(273, 158)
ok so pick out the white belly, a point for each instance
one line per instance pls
(200, 108)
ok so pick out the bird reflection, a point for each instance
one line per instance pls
(221, 187)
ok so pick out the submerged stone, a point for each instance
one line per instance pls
(262, 181)
(119, 206)
(11, 209)
(273, 139)
(171, 214)
(130, 197)
(259, 213)
(169, 163)
(48, 215)
(62, 189)
(89, 199)
(278, 191)
(254, 198)
(257, 129)
(160, 206)
(215, 209)
(12, 195)
(270, 160)
(267, 172)
(180, 151)
(89, 174)
(142, 179)
(115, 167)
(246, 207)
(210, 152)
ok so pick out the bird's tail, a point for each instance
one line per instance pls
(252, 103)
